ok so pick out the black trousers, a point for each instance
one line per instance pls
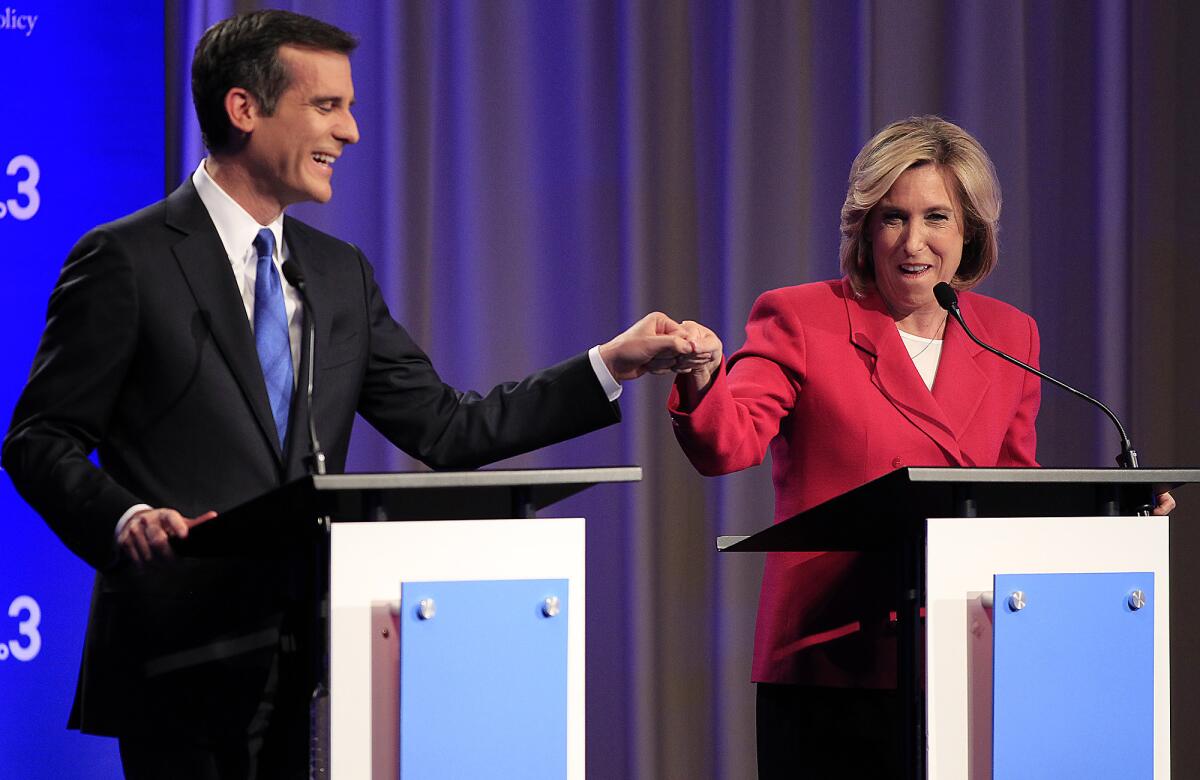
(276, 748)
(812, 732)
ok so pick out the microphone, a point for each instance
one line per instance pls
(295, 277)
(947, 298)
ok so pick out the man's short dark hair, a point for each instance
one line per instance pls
(243, 51)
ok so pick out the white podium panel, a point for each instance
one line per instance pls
(369, 560)
(963, 555)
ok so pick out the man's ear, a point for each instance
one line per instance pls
(242, 109)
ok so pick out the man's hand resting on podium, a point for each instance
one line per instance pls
(146, 538)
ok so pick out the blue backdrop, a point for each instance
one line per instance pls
(81, 143)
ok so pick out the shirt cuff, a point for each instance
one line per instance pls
(130, 512)
(611, 387)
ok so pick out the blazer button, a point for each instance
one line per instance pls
(896, 462)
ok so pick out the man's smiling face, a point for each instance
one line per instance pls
(291, 153)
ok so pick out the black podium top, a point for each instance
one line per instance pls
(887, 510)
(304, 504)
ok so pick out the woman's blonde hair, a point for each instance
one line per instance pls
(923, 140)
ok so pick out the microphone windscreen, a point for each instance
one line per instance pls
(293, 274)
(947, 298)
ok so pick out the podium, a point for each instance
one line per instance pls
(492, 597)
(1078, 686)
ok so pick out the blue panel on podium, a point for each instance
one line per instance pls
(483, 681)
(1074, 676)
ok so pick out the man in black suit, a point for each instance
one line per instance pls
(172, 346)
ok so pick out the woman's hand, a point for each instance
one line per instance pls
(1165, 505)
(697, 378)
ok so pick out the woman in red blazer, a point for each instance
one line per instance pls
(844, 381)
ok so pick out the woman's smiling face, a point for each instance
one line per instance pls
(916, 233)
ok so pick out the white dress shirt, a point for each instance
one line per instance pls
(237, 230)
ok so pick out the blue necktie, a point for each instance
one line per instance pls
(271, 332)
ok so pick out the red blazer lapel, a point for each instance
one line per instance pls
(873, 330)
(960, 395)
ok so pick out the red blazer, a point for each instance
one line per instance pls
(824, 379)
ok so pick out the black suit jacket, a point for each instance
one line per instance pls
(148, 358)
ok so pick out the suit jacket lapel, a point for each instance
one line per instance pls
(204, 264)
(960, 396)
(873, 330)
(301, 253)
